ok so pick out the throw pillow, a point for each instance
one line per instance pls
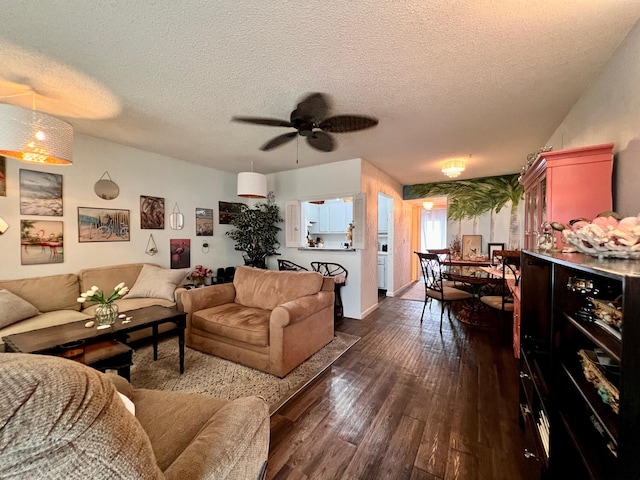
(157, 282)
(14, 308)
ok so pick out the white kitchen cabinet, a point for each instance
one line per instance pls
(334, 217)
(382, 272)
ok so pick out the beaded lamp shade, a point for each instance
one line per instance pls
(35, 137)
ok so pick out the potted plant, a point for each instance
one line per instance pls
(256, 231)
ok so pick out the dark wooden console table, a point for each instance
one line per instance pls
(55, 340)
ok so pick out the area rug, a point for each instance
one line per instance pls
(221, 378)
(415, 292)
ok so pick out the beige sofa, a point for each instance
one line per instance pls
(53, 298)
(268, 320)
(61, 419)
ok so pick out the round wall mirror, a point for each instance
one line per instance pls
(106, 189)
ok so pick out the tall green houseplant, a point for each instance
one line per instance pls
(256, 231)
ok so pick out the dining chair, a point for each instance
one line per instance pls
(444, 255)
(289, 265)
(434, 287)
(502, 299)
(339, 274)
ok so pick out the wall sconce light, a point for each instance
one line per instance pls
(252, 185)
(35, 137)
(453, 168)
(427, 205)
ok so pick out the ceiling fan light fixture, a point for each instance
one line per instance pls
(252, 185)
(35, 137)
(453, 168)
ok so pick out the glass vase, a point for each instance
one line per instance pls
(106, 314)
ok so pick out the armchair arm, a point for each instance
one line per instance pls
(200, 298)
(234, 443)
(300, 308)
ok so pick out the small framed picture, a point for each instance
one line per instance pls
(41, 241)
(494, 247)
(471, 246)
(151, 213)
(204, 222)
(103, 225)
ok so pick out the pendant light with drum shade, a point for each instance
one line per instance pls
(252, 184)
(34, 137)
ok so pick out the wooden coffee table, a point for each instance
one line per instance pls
(55, 340)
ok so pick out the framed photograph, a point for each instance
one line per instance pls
(180, 249)
(103, 225)
(41, 241)
(471, 246)
(40, 193)
(204, 222)
(228, 210)
(494, 247)
(151, 213)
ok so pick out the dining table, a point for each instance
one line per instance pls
(473, 277)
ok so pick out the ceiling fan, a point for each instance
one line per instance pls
(309, 121)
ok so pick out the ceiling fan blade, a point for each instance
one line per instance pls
(271, 122)
(347, 123)
(321, 141)
(277, 141)
(312, 109)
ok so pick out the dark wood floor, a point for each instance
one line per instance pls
(406, 402)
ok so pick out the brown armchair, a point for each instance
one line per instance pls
(265, 319)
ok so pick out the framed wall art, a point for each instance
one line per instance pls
(151, 213)
(180, 249)
(471, 246)
(103, 225)
(40, 193)
(204, 222)
(228, 210)
(41, 241)
(494, 247)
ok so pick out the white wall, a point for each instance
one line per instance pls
(399, 256)
(609, 111)
(137, 173)
(339, 179)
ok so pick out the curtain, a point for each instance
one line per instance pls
(433, 228)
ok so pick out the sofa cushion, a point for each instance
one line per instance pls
(13, 308)
(157, 282)
(234, 321)
(48, 293)
(61, 419)
(105, 278)
(267, 289)
(44, 320)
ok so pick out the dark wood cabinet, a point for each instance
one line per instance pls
(566, 184)
(577, 425)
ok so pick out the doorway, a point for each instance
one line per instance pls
(385, 245)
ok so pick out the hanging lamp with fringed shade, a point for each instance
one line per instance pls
(35, 137)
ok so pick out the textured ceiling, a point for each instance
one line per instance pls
(487, 78)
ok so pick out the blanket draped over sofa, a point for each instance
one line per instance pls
(268, 320)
